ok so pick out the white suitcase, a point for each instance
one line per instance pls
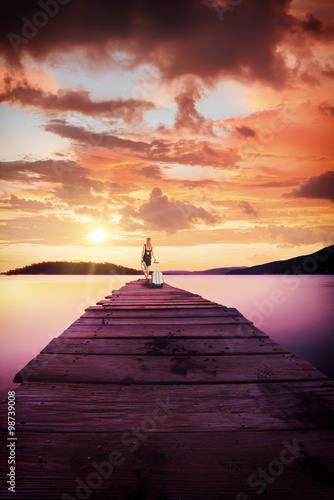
(157, 277)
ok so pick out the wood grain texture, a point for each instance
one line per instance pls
(164, 346)
(157, 313)
(166, 369)
(96, 319)
(113, 306)
(193, 398)
(204, 408)
(190, 466)
(88, 329)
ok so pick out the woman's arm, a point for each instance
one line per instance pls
(153, 255)
(142, 254)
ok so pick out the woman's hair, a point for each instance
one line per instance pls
(149, 242)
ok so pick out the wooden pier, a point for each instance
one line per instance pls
(159, 394)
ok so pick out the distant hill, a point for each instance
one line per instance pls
(93, 268)
(321, 262)
(218, 270)
(73, 268)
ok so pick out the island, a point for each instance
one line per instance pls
(73, 268)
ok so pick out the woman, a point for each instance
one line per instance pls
(146, 257)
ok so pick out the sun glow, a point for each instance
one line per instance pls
(98, 235)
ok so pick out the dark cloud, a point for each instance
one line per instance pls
(94, 139)
(179, 38)
(41, 171)
(326, 109)
(15, 203)
(187, 116)
(22, 93)
(161, 214)
(187, 152)
(246, 131)
(192, 152)
(312, 24)
(319, 186)
(319, 28)
(247, 208)
(328, 70)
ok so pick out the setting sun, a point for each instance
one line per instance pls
(98, 235)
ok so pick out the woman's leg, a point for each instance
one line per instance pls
(145, 272)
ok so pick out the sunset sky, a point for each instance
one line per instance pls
(206, 125)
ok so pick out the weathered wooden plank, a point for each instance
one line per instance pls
(91, 329)
(162, 346)
(160, 300)
(156, 295)
(206, 408)
(157, 298)
(193, 312)
(96, 319)
(191, 466)
(153, 292)
(167, 369)
(142, 288)
(31, 391)
(152, 306)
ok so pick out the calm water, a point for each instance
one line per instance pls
(295, 311)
